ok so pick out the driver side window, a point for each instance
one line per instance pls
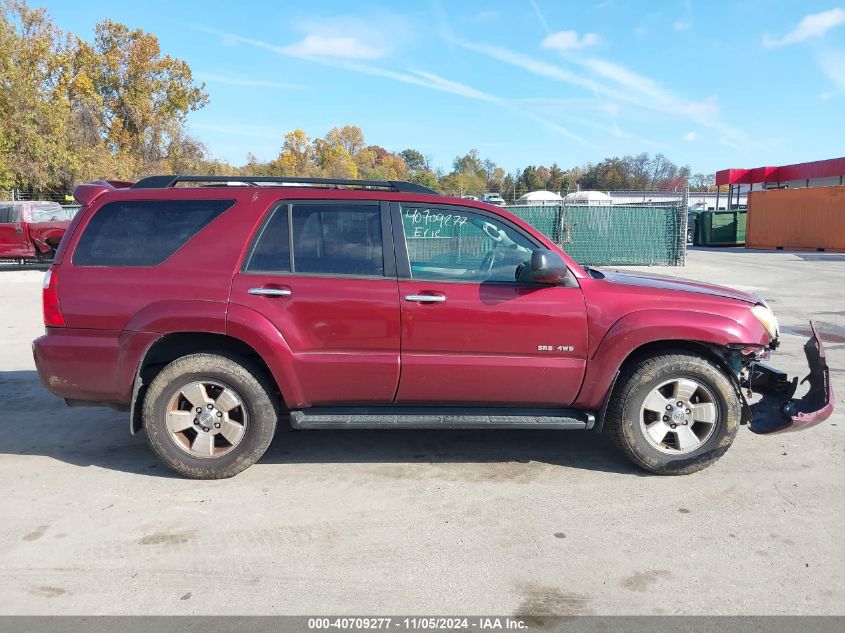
(454, 244)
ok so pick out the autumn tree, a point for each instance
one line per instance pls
(72, 110)
(146, 96)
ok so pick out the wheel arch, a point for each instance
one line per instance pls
(173, 345)
(706, 350)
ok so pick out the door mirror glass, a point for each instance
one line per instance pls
(547, 267)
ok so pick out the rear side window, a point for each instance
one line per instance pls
(272, 250)
(337, 239)
(10, 214)
(143, 232)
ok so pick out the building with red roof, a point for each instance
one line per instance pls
(819, 173)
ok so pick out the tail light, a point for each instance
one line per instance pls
(50, 298)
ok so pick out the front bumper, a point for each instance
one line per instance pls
(778, 411)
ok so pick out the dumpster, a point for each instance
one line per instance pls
(721, 228)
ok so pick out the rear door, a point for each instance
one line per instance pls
(471, 333)
(324, 273)
(14, 241)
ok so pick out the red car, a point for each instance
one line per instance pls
(32, 230)
(232, 304)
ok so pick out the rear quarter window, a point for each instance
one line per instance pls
(143, 232)
(10, 214)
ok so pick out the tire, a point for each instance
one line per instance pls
(201, 451)
(636, 426)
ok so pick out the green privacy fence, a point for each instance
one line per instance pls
(721, 228)
(613, 235)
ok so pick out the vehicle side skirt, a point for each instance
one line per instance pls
(417, 417)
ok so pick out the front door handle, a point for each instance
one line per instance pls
(18, 229)
(426, 298)
(270, 292)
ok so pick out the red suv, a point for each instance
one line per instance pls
(211, 308)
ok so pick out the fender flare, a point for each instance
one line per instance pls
(644, 327)
(170, 315)
(231, 320)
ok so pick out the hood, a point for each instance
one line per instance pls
(663, 282)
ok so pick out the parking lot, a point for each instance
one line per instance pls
(422, 522)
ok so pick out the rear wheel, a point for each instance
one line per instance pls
(210, 416)
(674, 414)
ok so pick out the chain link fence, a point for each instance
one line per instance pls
(613, 235)
(64, 198)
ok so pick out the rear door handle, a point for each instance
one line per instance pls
(426, 298)
(270, 292)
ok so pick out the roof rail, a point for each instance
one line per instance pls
(399, 186)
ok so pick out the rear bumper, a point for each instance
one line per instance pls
(90, 365)
(778, 411)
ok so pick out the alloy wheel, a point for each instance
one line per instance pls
(678, 416)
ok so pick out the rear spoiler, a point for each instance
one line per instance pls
(90, 191)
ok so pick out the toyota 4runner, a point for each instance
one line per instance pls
(212, 308)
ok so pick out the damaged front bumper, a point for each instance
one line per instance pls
(778, 411)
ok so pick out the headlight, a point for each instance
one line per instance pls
(767, 319)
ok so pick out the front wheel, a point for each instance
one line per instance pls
(210, 416)
(674, 414)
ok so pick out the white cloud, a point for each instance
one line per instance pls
(540, 16)
(338, 47)
(624, 86)
(812, 25)
(569, 40)
(832, 64)
(246, 82)
(682, 25)
(690, 136)
(423, 79)
(664, 99)
(351, 37)
(532, 65)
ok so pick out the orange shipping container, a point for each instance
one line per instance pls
(811, 218)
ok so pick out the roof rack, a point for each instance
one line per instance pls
(399, 186)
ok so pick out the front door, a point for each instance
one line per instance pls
(324, 274)
(13, 237)
(472, 334)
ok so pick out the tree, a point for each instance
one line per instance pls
(426, 178)
(543, 174)
(529, 180)
(297, 157)
(414, 159)
(350, 137)
(146, 96)
(556, 178)
(471, 165)
(702, 182)
(334, 161)
(72, 111)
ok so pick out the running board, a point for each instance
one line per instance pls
(440, 418)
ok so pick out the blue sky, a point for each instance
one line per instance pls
(713, 84)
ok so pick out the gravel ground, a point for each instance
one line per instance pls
(444, 522)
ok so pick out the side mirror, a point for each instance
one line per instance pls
(547, 267)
